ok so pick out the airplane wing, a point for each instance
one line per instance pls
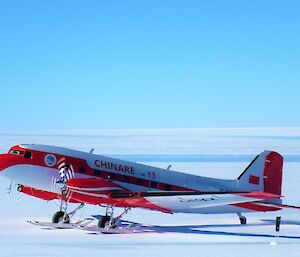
(191, 200)
(167, 200)
(261, 195)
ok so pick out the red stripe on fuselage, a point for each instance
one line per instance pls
(81, 164)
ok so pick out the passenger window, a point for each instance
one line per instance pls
(82, 170)
(168, 187)
(153, 184)
(97, 173)
(27, 155)
(140, 181)
(126, 179)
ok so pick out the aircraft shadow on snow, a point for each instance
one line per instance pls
(204, 229)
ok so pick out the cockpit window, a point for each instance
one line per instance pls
(16, 152)
(27, 155)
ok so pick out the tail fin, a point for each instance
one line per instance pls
(264, 173)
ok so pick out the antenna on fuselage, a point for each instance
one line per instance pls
(92, 150)
(169, 167)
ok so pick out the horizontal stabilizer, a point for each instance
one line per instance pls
(280, 205)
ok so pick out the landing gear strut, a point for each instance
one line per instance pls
(108, 221)
(243, 219)
(62, 216)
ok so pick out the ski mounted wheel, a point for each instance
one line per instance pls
(59, 216)
(104, 221)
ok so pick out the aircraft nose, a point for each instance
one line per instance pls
(5, 162)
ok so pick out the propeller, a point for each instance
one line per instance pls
(14, 192)
(59, 184)
(9, 190)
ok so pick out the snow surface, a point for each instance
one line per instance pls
(174, 235)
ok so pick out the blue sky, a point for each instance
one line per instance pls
(149, 64)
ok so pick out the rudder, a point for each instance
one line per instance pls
(273, 173)
(264, 173)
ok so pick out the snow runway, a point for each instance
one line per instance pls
(172, 235)
(176, 235)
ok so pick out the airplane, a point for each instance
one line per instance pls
(71, 176)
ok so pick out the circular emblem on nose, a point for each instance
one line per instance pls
(50, 160)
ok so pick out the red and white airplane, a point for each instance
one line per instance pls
(50, 172)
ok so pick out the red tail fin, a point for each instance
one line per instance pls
(273, 173)
(264, 173)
